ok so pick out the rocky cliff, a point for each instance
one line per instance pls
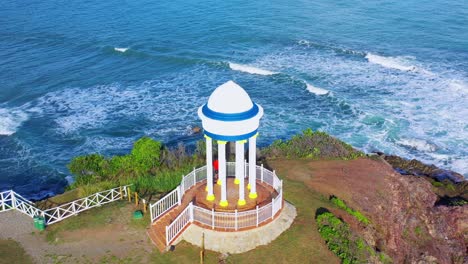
(407, 222)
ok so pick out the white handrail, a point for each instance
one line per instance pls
(60, 212)
(223, 220)
(164, 204)
(63, 211)
(179, 223)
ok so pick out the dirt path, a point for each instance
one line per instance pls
(86, 245)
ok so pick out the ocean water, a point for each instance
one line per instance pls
(92, 76)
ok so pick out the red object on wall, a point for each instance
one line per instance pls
(215, 164)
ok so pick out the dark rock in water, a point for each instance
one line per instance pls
(417, 168)
(196, 130)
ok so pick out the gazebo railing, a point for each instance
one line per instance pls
(221, 220)
(179, 223)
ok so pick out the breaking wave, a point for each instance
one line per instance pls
(250, 69)
(418, 144)
(11, 120)
(121, 49)
(397, 63)
(316, 90)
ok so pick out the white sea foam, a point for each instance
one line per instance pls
(121, 49)
(419, 144)
(11, 120)
(316, 90)
(250, 69)
(460, 166)
(397, 63)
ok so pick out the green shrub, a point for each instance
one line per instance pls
(341, 241)
(149, 167)
(145, 154)
(342, 205)
(313, 145)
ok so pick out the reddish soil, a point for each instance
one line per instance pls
(405, 223)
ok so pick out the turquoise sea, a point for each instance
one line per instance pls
(78, 77)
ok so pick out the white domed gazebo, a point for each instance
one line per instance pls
(230, 115)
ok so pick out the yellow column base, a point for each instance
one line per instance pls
(223, 203)
(206, 188)
(253, 195)
(236, 181)
(248, 186)
(218, 182)
(210, 197)
(241, 202)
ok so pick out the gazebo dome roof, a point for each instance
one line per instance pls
(230, 114)
(229, 98)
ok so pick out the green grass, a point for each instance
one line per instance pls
(301, 243)
(346, 245)
(312, 145)
(12, 252)
(93, 218)
(342, 205)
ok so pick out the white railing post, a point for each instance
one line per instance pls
(151, 212)
(182, 188)
(212, 218)
(235, 219)
(167, 236)
(256, 208)
(73, 208)
(261, 173)
(191, 212)
(13, 199)
(3, 202)
(272, 208)
(179, 195)
(194, 176)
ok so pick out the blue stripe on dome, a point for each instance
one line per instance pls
(231, 138)
(252, 112)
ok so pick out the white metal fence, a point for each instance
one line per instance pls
(11, 200)
(179, 223)
(165, 204)
(223, 220)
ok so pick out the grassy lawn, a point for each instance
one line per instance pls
(12, 252)
(94, 218)
(299, 244)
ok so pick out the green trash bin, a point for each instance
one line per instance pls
(137, 215)
(36, 221)
(39, 223)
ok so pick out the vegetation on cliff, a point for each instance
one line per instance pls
(342, 205)
(150, 167)
(344, 243)
(313, 145)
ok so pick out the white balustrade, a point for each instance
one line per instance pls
(179, 223)
(210, 218)
(11, 200)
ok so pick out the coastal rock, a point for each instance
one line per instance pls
(417, 168)
(196, 130)
(405, 221)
